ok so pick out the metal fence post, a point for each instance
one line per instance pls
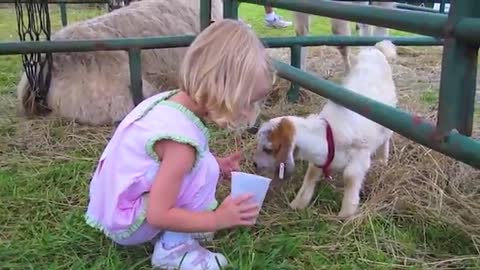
(205, 13)
(294, 92)
(442, 6)
(230, 9)
(459, 72)
(135, 63)
(63, 13)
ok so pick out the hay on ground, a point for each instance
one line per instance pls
(417, 181)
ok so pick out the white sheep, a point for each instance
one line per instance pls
(94, 87)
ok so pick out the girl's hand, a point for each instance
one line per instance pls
(236, 212)
(229, 164)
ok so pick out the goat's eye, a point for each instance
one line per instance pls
(267, 151)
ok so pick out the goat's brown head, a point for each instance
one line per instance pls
(275, 147)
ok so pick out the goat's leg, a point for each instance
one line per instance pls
(364, 30)
(383, 152)
(353, 176)
(302, 28)
(305, 194)
(342, 28)
(377, 30)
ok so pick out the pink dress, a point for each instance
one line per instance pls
(127, 167)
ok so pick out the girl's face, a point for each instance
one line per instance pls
(262, 88)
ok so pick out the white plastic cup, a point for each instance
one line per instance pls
(243, 183)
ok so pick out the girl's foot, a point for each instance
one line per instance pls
(188, 255)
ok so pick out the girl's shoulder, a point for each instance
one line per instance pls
(150, 103)
(163, 119)
(162, 113)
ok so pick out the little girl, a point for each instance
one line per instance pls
(156, 179)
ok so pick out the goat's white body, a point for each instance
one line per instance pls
(356, 137)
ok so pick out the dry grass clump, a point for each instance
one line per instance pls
(424, 183)
(422, 210)
(417, 181)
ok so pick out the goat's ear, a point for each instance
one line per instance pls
(281, 138)
(295, 151)
(253, 130)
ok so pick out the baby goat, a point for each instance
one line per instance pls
(335, 138)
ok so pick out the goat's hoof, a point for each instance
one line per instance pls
(345, 214)
(384, 161)
(298, 204)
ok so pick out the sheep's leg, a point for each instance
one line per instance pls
(305, 194)
(382, 31)
(341, 27)
(353, 176)
(302, 28)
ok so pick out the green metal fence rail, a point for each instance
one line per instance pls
(411, 126)
(62, 4)
(459, 33)
(431, 23)
(423, 5)
(417, 8)
(7, 48)
(458, 78)
(410, 21)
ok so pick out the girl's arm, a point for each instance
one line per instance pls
(220, 162)
(177, 160)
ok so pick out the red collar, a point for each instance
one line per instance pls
(331, 151)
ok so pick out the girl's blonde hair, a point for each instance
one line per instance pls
(220, 70)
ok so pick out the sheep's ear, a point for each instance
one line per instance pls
(281, 138)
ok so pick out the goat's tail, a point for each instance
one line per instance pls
(28, 103)
(388, 49)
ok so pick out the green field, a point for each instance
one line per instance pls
(421, 212)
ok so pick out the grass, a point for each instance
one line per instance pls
(420, 212)
(430, 96)
(254, 15)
